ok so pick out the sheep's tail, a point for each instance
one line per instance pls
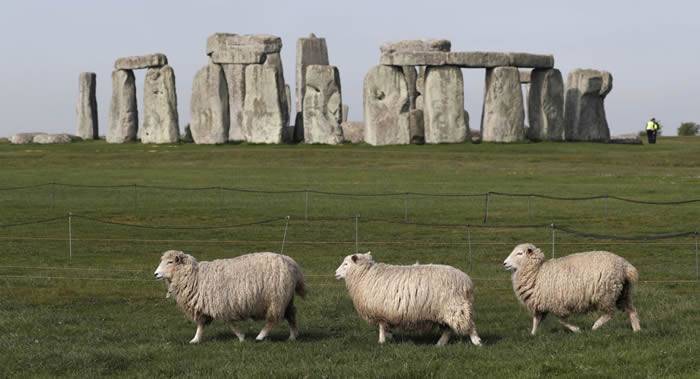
(631, 273)
(300, 288)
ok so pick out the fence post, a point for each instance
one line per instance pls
(469, 249)
(70, 236)
(554, 236)
(405, 207)
(284, 236)
(486, 207)
(306, 205)
(357, 238)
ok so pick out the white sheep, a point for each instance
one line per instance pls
(575, 284)
(260, 286)
(416, 297)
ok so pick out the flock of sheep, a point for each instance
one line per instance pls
(261, 286)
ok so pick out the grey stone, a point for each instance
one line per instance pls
(323, 110)
(353, 132)
(416, 126)
(311, 50)
(141, 61)
(416, 45)
(386, 107)
(24, 138)
(503, 117)
(235, 80)
(584, 109)
(546, 106)
(49, 139)
(275, 60)
(263, 118)
(411, 76)
(466, 59)
(444, 105)
(414, 58)
(525, 76)
(123, 111)
(160, 119)
(86, 110)
(242, 49)
(626, 139)
(346, 112)
(209, 106)
(187, 136)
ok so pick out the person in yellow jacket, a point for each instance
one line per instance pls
(652, 129)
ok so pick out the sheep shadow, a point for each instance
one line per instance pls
(276, 337)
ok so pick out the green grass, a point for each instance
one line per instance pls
(58, 319)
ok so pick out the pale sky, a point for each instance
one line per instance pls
(651, 47)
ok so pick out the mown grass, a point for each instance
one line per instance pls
(101, 314)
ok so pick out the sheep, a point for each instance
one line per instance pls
(575, 284)
(259, 286)
(416, 297)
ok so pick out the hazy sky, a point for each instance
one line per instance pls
(651, 47)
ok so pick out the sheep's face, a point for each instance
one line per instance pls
(352, 260)
(169, 263)
(521, 255)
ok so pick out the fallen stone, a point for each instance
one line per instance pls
(546, 106)
(24, 138)
(584, 109)
(242, 49)
(353, 132)
(627, 139)
(416, 45)
(47, 139)
(160, 118)
(235, 80)
(141, 61)
(503, 117)
(263, 118)
(123, 111)
(209, 106)
(386, 107)
(86, 110)
(323, 111)
(444, 105)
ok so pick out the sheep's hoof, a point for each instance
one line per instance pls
(575, 329)
(194, 341)
(476, 341)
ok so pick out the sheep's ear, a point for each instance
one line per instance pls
(354, 258)
(369, 253)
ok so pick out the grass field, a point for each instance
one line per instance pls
(101, 313)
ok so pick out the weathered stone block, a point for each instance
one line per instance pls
(235, 80)
(242, 49)
(263, 112)
(311, 50)
(386, 107)
(209, 106)
(51, 139)
(353, 132)
(123, 111)
(322, 105)
(584, 109)
(141, 61)
(160, 119)
(444, 105)
(414, 58)
(416, 45)
(503, 117)
(86, 110)
(546, 106)
(24, 138)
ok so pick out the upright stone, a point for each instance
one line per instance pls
(311, 50)
(209, 106)
(546, 105)
(584, 110)
(160, 119)
(263, 118)
(275, 60)
(323, 112)
(386, 107)
(235, 80)
(503, 117)
(123, 112)
(346, 112)
(86, 110)
(444, 105)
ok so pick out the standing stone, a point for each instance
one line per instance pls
(386, 107)
(263, 110)
(584, 110)
(416, 126)
(235, 80)
(411, 76)
(444, 105)
(311, 50)
(209, 106)
(123, 112)
(503, 117)
(160, 120)
(546, 105)
(86, 111)
(346, 112)
(323, 110)
(275, 60)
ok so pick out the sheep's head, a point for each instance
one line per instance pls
(352, 260)
(522, 255)
(170, 262)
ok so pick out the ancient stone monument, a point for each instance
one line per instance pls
(545, 105)
(584, 109)
(386, 106)
(444, 105)
(263, 111)
(503, 117)
(322, 105)
(210, 106)
(160, 101)
(86, 110)
(310, 51)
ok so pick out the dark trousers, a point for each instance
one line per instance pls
(651, 136)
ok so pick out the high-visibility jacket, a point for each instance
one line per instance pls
(651, 125)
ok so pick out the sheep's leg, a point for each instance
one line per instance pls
(290, 314)
(602, 320)
(383, 332)
(265, 330)
(474, 337)
(238, 333)
(536, 319)
(444, 338)
(571, 327)
(634, 317)
(198, 334)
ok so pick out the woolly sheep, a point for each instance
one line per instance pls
(416, 297)
(575, 284)
(260, 286)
